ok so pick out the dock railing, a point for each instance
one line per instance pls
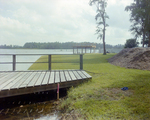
(14, 62)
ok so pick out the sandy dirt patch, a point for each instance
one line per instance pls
(136, 58)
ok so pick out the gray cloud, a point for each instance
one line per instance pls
(60, 20)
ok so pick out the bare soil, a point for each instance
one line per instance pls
(136, 58)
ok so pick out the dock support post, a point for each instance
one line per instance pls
(81, 62)
(14, 62)
(58, 91)
(73, 50)
(49, 62)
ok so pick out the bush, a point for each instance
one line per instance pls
(131, 43)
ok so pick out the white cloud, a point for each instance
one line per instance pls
(119, 2)
(13, 26)
(119, 24)
(24, 21)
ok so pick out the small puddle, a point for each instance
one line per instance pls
(37, 106)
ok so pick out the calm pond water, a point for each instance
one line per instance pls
(29, 58)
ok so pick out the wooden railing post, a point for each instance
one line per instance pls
(14, 62)
(49, 62)
(81, 62)
(73, 50)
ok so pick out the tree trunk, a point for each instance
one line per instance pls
(104, 48)
(149, 39)
(143, 39)
(104, 53)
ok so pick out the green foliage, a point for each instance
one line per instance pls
(140, 17)
(102, 98)
(131, 43)
(145, 42)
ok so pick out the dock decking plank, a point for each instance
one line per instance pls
(62, 76)
(3, 74)
(34, 80)
(40, 79)
(57, 77)
(27, 81)
(52, 77)
(16, 86)
(14, 81)
(77, 75)
(87, 75)
(10, 80)
(72, 75)
(7, 77)
(46, 78)
(68, 78)
(81, 74)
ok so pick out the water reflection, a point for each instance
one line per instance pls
(48, 117)
(38, 106)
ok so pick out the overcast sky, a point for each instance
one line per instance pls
(24, 21)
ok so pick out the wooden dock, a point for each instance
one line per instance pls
(83, 49)
(14, 83)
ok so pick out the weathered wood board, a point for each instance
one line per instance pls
(24, 82)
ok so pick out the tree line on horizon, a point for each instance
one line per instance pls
(58, 45)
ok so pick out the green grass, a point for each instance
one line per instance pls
(57, 58)
(102, 97)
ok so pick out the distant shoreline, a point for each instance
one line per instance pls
(40, 48)
(58, 45)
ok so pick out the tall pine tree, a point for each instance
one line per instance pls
(101, 17)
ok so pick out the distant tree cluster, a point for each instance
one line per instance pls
(57, 45)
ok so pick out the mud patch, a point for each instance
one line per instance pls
(136, 58)
(112, 94)
(41, 105)
(117, 93)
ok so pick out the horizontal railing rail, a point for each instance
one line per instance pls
(49, 60)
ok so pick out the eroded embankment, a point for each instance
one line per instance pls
(137, 58)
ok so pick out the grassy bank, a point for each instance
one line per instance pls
(102, 97)
(66, 59)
